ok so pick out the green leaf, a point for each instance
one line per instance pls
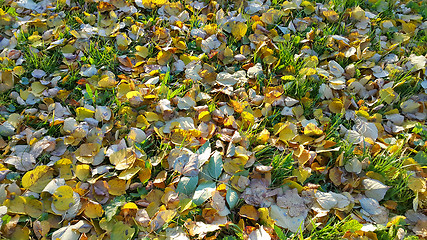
(187, 185)
(122, 231)
(6, 218)
(215, 166)
(352, 226)
(421, 158)
(418, 128)
(229, 238)
(89, 91)
(203, 192)
(112, 207)
(232, 198)
(279, 232)
(204, 153)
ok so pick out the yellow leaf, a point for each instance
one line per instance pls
(144, 175)
(19, 70)
(336, 106)
(20, 233)
(142, 51)
(409, 106)
(63, 198)
(293, 184)
(358, 13)
(263, 136)
(141, 122)
(33, 207)
(152, 116)
(408, 27)
(269, 59)
(181, 45)
(312, 130)
(331, 15)
(248, 118)
(265, 218)
(308, 7)
(387, 95)
(162, 217)
(37, 88)
(35, 37)
(122, 41)
(83, 113)
(93, 209)
(65, 167)
(7, 80)
(86, 152)
(129, 173)
(271, 16)
(123, 159)
(396, 220)
(117, 187)
(204, 116)
(335, 175)
(286, 134)
(35, 180)
(239, 30)
(303, 156)
(249, 211)
(188, 58)
(302, 174)
(16, 204)
(417, 184)
(307, 71)
(5, 18)
(164, 57)
(130, 205)
(82, 172)
(122, 231)
(107, 81)
(132, 94)
(24, 205)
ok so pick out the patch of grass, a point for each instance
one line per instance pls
(43, 159)
(281, 162)
(71, 19)
(344, 4)
(230, 232)
(47, 61)
(333, 229)
(5, 99)
(332, 128)
(300, 87)
(101, 53)
(11, 105)
(391, 166)
(408, 86)
(287, 51)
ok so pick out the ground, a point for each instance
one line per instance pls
(146, 119)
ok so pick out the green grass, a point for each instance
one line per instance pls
(5, 99)
(345, 4)
(101, 53)
(391, 167)
(282, 163)
(47, 61)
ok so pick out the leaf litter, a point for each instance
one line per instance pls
(189, 120)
